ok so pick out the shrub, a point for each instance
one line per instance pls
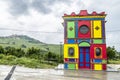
(2, 56)
(10, 58)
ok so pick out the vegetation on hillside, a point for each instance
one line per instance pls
(24, 42)
(33, 57)
(25, 51)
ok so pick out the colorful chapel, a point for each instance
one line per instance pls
(85, 41)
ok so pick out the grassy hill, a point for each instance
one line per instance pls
(25, 42)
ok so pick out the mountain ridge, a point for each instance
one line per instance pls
(25, 42)
(25, 37)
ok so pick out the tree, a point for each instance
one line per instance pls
(9, 50)
(111, 52)
(18, 52)
(1, 50)
(33, 52)
(23, 46)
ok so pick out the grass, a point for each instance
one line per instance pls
(113, 61)
(23, 61)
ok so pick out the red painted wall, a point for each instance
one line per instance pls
(103, 46)
(104, 67)
(84, 22)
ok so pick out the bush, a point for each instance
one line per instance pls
(10, 58)
(32, 58)
(113, 61)
(2, 56)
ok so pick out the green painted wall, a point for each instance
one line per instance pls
(99, 41)
(104, 61)
(70, 29)
(71, 66)
(84, 44)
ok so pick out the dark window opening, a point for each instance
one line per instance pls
(71, 51)
(98, 51)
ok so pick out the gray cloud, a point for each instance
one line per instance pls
(41, 6)
(18, 7)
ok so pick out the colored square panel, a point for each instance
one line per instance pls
(104, 61)
(65, 66)
(84, 29)
(97, 60)
(97, 41)
(97, 25)
(104, 67)
(71, 66)
(97, 66)
(103, 51)
(65, 59)
(71, 41)
(72, 60)
(66, 50)
(70, 29)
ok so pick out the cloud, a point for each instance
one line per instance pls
(41, 6)
(46, 15)
(18, 7)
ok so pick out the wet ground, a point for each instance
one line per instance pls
(22, 73)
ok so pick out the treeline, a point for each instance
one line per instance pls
(112, 53)
(33, 53)
(37, 58)
(37, 53)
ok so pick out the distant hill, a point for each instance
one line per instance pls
(24, 42)
(24, 37)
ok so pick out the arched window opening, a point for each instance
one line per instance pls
(71, 51)
(98, 51)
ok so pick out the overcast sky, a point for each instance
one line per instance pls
(46, 16)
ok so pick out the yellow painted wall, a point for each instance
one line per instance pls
(77, 66)
(97, 32)
(97, 66)
(67, 46)
(91, 29)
